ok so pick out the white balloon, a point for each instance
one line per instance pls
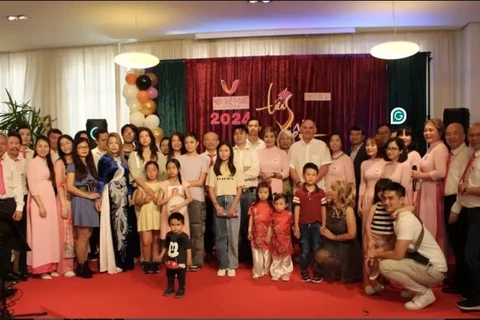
(137, 119)
(130, 101)
(152, 121)
(138, 72)
(130, 91)
(135, 106)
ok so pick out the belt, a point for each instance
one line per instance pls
(308, 225)
(88, 188)
(251, 189)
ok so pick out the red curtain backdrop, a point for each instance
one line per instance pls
(357, 84)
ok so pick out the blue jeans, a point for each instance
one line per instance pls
(309, 242)
(245, 248)
(226, 235)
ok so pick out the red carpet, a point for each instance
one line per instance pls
(133, 294)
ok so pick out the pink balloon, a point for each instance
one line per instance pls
(152, 93)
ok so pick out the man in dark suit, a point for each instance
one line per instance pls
(358, 155)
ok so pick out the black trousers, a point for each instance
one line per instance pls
(7, 240)
(457, 235)
(209, 237)
(181, 275)
(22, 226)
(472, 249)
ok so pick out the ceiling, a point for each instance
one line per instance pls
(55, 24)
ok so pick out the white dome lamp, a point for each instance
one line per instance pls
(136, 60)
(394, 50)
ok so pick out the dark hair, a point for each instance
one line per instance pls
(330, 138)
(79, 134)
(407, 131)
(171, 152)
(279, 196)
(270, 196)
(100, 131)
(218, 161)
(177, 164)
(49, 161)
(62, 156)
(176, 216)
(356, 128)
(23, 126)
(16, 135)
(131, 126)
(152, 163)
(165, 138)
(239, 127)
(310, 165)
(380, 146)
(191, 135)
(396, 187)
(152, 145)
(81, 170)
(380, 187)
(384, 125)
(253, 119)
(52, 131)
(401, 146)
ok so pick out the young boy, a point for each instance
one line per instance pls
(179, 255)
(310, 212)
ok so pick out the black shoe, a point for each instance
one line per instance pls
(92, 256)
(180, 293)
(145, 266)
(317, 278)
(472, 304)
(467, 295)
(85, 272)
(169, 291)
(450, 290)
(306, 276)
(154, 267)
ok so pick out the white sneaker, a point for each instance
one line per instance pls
(222, 272)
(54, 274)
(275, 278)
(69, 274)
(255, 277)
(286, 278)
(46, 276)
(420, 301)
(407, 294)
(231, 273)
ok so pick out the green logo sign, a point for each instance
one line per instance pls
(398, 116)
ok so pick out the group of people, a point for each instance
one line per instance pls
(378, 213)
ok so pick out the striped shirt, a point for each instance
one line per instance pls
(382, 222)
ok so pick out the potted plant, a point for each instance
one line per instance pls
(21, 114)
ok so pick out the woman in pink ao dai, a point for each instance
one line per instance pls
(273, 162)
(341, 168)
(397, 168)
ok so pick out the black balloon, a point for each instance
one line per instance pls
(143, 82)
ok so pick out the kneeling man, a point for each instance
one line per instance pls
(417, 262)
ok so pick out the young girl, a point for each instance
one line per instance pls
(281, 240)
(378, 233)
(260, 217)
(174, 196)
(225, 182)
(149, 219)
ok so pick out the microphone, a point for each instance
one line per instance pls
(414, 181)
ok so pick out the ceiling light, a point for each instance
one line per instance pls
(22, 17)
(17, 17)
(265, 1)
(12, 18)
(252, 1)
(136, 60)
(271, 33)
(393, 50)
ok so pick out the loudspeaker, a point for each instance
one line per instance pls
(460, 115)
(95, 124)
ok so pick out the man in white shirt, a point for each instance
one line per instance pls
(11, 199)
(456, 225)
(417, 263)
(26, 134)
(254, 128)
(13, 152)
(469, 199)
(245, 157)
(308, 150)
(53, 135)
(210, 142)
(101, 138)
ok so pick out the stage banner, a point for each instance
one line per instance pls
(335, 91)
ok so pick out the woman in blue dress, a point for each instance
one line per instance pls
(117, 222)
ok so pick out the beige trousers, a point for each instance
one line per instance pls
(281, 266)
(261, 262)
(412, 275)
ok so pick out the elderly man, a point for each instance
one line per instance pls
(307, 150)
(417, 263)
(456, 227)
(469, 199)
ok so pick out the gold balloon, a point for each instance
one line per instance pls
(153, 78)
(158, 134)
(148, 108)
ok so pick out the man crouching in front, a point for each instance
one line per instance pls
(417, 263)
